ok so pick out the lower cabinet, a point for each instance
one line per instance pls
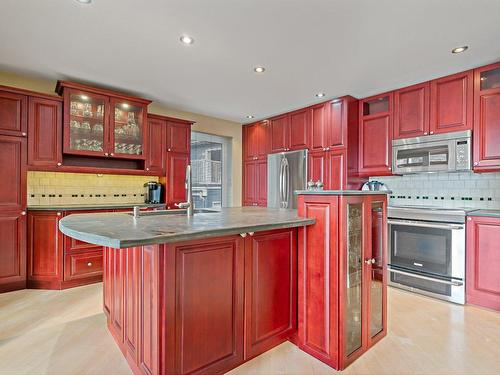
(342, 277)
(483, 262)
(56, 261)
(12, 251)
(203, 306)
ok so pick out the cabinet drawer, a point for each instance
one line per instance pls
(82, 265)
(72, 245)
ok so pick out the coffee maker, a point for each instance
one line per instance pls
(153, 192)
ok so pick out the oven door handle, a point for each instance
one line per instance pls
(454, 283)
(426, 224)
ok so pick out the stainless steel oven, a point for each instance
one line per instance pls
(427, 251)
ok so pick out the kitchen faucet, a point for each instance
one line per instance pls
(189, 206)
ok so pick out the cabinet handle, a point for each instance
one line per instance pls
(432, 132)
(243, 235)
(23, 134)
(23, 213)
(58, 214)
(89, 264)
(59, 164)
(106, 154)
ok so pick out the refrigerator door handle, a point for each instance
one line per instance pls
(286, 178)
(281, 182)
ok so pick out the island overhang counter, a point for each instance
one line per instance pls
(203, 294)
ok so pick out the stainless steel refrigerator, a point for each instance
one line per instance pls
(286, 172)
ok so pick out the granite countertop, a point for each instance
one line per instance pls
(78, 207)
(341, 192)
(121, 230)
(485, 213)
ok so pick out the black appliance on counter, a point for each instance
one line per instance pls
(153, 192)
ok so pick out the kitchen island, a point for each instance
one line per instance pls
(203, 294)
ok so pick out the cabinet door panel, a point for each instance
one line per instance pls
(299, 130)
(13, 167)
(82, 265)
(279, 133)
(270, 290)
(176, 189)
(317, 168)
(411, 111)
(319, 120)
(483, 262)
(106, 278)
(375, 145)
(13, 114)
(250, 183)
(317, 268)
(487, 131)
(117, 311)
(451, 103)
(338, 124)
(178, 137)
(209, 280)
(45, 132)
(250, 141)
(262, 183)
(132, 273)
(337, 170)
(12, 251)
(155, 160)
(45, 247)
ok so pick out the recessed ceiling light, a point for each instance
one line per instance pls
(460, 49)
(320, 94)
(125, 105)
(186, 39)
(250, 116)
(259, 69)
(84, 1)
(84, 97)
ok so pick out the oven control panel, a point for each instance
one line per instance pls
(463, 154)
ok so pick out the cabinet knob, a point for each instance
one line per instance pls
(469, 219)
(147, 169)
(476, 163)
(58, 214)
(432, 132)
(368, 261)
(251, 233)
(425, 133)
(23, 213)
(111, 154)
(389, 168)
(169, 149)
(106, 154)
(59, 164)
(243, 235)
(89, 264)
(23, 134)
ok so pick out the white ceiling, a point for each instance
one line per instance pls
(357, 47)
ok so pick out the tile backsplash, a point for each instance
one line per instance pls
(53, 188)
(467, 189)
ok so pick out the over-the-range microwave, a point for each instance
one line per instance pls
(448, 152)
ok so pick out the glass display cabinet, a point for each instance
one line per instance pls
(103, 123)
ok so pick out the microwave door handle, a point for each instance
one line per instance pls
(454, 283)
(426, 225)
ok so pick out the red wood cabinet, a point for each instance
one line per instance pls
(299, 130)
(13, 167)
(329, 167)
(375, 135)
(45, 250)
(157, 138)
(209, 279)
(487, 118)
(270, 290)
(342, 276)
(319, 127)
(13, 114)
(255, 183)
(451, 103)
(45, 132)
(483, 262)
(411, 111)
(256, 141)
(12, 251)
(279, 128)
(176, 176)
(178, 136)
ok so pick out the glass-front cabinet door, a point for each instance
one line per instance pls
(86, 123)
(127, 129)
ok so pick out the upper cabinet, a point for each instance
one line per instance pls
(411, 111)
(13, 114)
(279, 132)
(256, 140)
(451, 103)
(45, 133)
(178, 135)
(319, 127)
(375, 135)
(487, 118)
(102, 123)
(157, 139)
(299, 130)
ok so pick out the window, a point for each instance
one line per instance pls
(211, 166)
